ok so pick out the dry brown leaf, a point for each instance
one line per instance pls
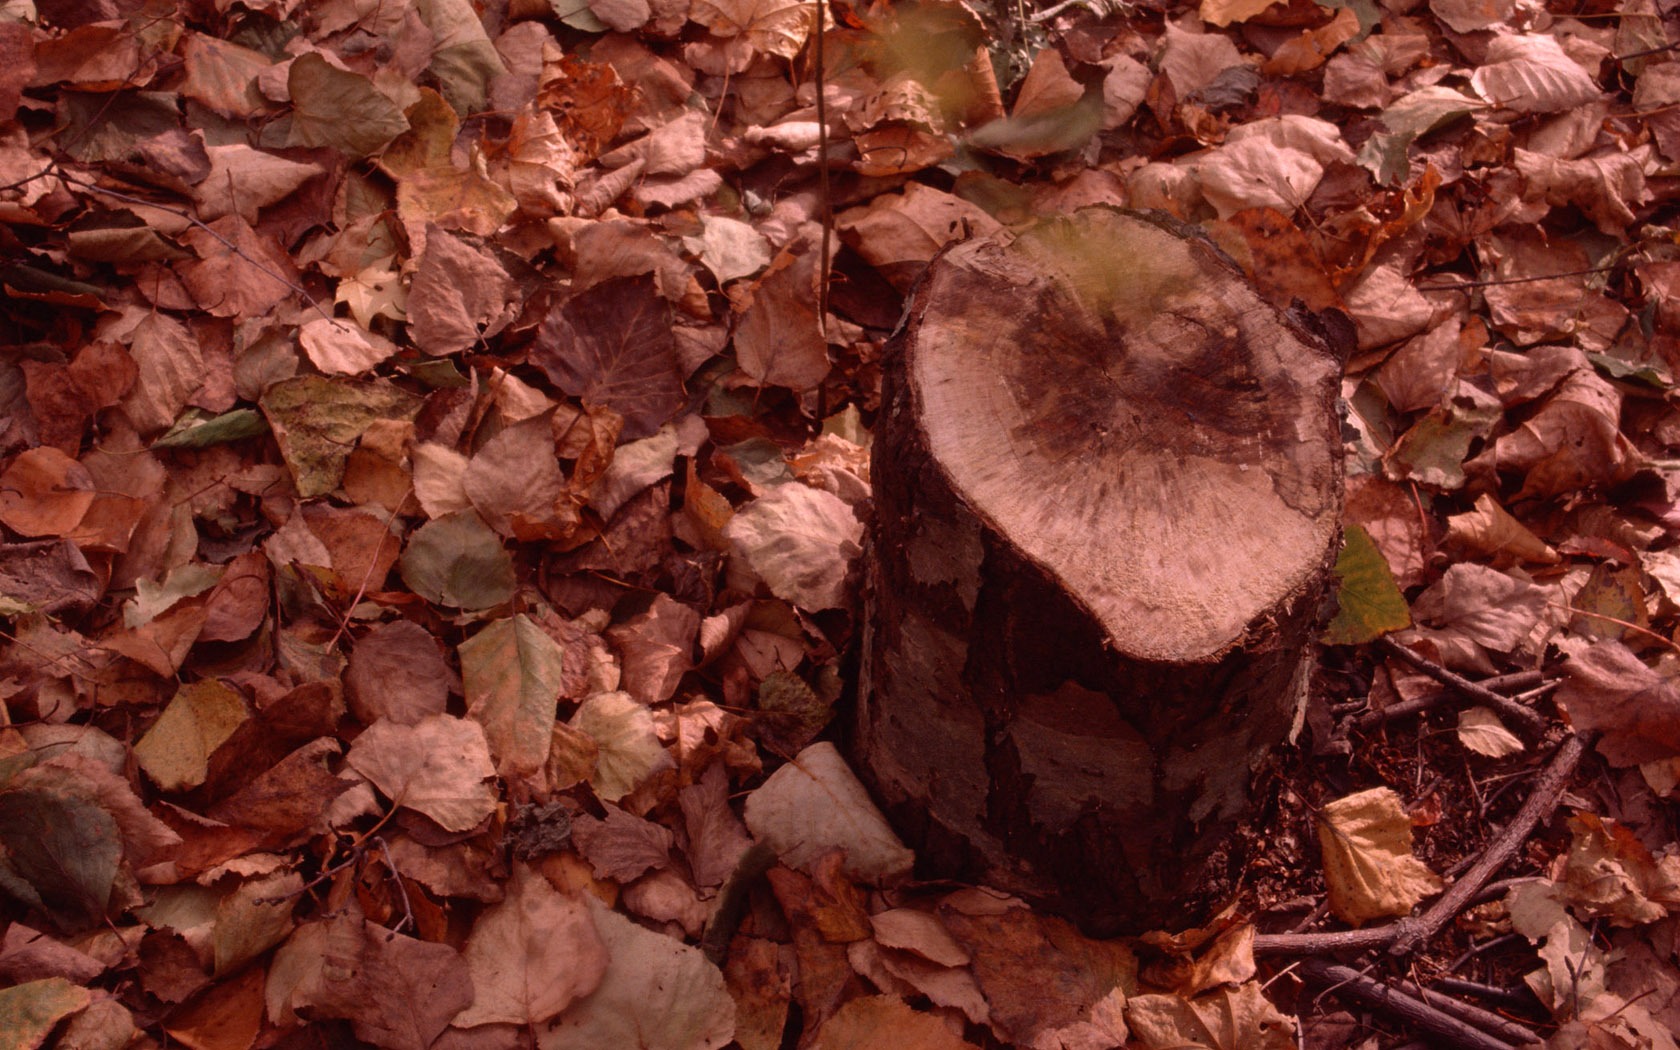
(883, 1020)
(1606, 688)
(1490, 530)
(439, 766)
(44, 492)
(1531, 73)
(612, 345)
(800, 541)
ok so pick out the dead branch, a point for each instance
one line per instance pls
(1414, 930)
(1527, 720)
(1488, 1021)
(1443, 1028)
(1404, 936)
(1522, 682)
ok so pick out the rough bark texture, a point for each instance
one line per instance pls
(1108, 496)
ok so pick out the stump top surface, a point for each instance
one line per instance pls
(1124, 407)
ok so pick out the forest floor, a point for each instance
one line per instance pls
(377, 373)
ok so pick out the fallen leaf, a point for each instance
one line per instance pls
(531, 955)
(628, 750)
(318, 420)
(439, 766)
(1480, 730)
(612, 345)
(175, 752)
(1366, 839)
(398, 993)
(656, 994)
(883, 1020)
(1226, 1019)
(815, 803)
(397, 671)
(801, 541)
(339, 109)
(511, 673)
(29, 1012)
(1531, 73)
(1609, 690)
(457, 560)
(44, 493)
(1368, 603)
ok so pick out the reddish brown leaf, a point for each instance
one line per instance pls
(612, 346)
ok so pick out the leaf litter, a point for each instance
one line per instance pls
(418, 434)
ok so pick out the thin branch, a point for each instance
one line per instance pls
(229, 245)
(1528, 721)
(822, 176)
(1548, 787)
(1502, 684)
(1443, 1029)
(1490, 281)
(1403, 936)
(1471, 1014)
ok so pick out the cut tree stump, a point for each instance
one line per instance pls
(1108, 500)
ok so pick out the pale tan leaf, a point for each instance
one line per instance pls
(885, 1020)
(1366, 840)
(1531, 73)
(1480, 730)
(814, 804)
(440, 766)
(340, 347)
(657, 994)
(629, 751)
(1228, 1019)
(531, 955)
(1224, 12)
(914, 930)
(801, 543)
(775, 27)
(1488, 529)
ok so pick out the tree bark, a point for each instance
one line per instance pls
(1108, 498)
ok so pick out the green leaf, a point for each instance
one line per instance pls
(199, 429)
(318, 421)
(511, 674)
(1369, 602)
(65, 849)
(1384, 154)
(458, 560)
(29, 1012)
(793, 712)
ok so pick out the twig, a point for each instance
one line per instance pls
(1414, 930)
(822, 175)
(1471, 1014)
(1403, 936)
(1443, 1029)
(1322, 943)
(1505, 683)
(1519, 998)
(1490, 281)
(1528, 721)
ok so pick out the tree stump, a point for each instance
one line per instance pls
(1108, 498)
